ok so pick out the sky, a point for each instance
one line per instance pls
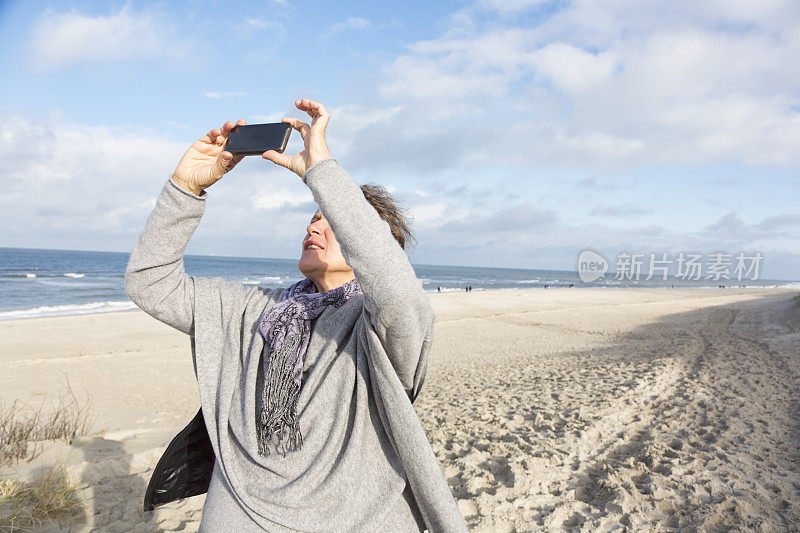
(516, 133)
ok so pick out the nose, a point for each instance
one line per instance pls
(311, 228)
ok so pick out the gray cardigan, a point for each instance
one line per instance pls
(362, 440)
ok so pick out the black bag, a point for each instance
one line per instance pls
(185, 468)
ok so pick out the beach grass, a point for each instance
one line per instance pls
(24, 429)
(25, 506)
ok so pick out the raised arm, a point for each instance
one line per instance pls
(395, 305)
(394, 302)
(155, 279)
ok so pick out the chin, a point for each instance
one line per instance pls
(307, 266)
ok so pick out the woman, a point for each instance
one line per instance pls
(306, 392)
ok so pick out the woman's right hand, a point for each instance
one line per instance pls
(206, 161)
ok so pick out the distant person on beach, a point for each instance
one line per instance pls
(307, 421)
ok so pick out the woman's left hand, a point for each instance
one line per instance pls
(315, 146)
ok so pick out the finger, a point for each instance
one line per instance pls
(222, 136)
(211, 136)
(315, 107)
(226, 129)
(302, 105)
(279, 159)
(221, 166)
(312, 107)
(299, 125)
(317, 111)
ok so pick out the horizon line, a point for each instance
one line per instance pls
(286, 259)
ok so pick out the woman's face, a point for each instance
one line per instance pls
(326, 266)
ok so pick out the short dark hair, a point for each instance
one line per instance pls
(389, 210)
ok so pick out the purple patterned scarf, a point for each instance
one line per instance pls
(286, 328)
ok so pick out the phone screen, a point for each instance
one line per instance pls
(255, 139)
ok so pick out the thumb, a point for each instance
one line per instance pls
(277, 158)
(221, 166)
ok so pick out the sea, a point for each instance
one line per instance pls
(39, 282)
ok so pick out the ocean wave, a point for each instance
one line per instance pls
(791, 285)
(271, 279)
(61, 282)
(64, 310)
(31, 275)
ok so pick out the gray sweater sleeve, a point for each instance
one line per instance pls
(394, 301)
(155, 279)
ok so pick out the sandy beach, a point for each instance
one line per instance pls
(579, 409)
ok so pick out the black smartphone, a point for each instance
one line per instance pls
(255, 139)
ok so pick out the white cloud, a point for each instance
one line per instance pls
(277, 198)
(78, 178)
(72, 186)
(270, 117)
(476, 66)
(262, 24)
(732, 227)
(607, 87)
(282, 8)
(65, 38)
(224, 94)
(350, 23)
(574, 70)
(620, 210)
(510, 6)
(348, 120)
(431, 213)
(264, 37)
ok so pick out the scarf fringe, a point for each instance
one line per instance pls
(279, 424)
